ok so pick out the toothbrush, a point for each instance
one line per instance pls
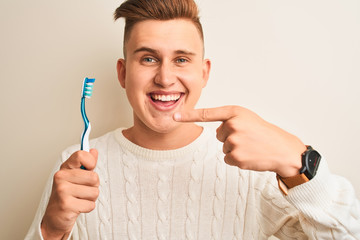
(86, 92)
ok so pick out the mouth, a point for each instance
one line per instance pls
(165, 100)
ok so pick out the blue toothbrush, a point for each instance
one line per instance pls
(86, 92)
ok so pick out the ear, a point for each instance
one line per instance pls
(121, 71)
(206, 71)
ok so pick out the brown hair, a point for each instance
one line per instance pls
(135, 11)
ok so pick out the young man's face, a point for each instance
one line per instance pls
(164, 71)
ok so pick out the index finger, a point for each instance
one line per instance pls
(207, 114)
(81, 158)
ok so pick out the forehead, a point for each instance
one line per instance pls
(168, 35)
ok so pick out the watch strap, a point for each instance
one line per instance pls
(290, 182)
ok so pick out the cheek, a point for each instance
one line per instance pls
(194, 87)
(133, 90)
(193, 81)
(196, 94)
(137, 80)
(137, 83)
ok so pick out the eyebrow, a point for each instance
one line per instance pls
(151, 50)
(185, 52)
(146, 49)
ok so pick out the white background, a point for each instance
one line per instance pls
(295, 63)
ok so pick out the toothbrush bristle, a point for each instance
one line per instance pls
(88, 87)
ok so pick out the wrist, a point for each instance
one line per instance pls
(48, 232)
(291, 164)
(310, 160)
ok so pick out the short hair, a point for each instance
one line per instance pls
(135, 11)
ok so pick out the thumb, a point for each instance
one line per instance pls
(94, 152)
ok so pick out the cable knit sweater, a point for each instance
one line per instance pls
(190, 193)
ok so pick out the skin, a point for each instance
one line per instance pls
(249, 142)
(163, 57)
(166, 58)
(74, 191)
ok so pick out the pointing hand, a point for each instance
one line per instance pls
(250, 142)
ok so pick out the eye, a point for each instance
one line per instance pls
(148, 60)
(182, 60)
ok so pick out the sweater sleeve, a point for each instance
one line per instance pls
(35, 229)
(328, 206)
(34, 232)
(324, 208)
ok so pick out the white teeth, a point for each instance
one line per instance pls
(165, 98)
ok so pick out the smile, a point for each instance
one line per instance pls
(165, 101)
(165, 98)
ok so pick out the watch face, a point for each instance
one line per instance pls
(312, 162)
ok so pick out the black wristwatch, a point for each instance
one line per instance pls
(310, 163)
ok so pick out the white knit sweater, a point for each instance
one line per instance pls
(190, 193)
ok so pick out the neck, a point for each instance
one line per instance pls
(178, 137)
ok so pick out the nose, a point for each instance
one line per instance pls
(165, 76)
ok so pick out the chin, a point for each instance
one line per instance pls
(164, 127)
(158, 123)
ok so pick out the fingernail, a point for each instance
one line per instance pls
(177, 116)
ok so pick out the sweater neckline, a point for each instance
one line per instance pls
(161, 155)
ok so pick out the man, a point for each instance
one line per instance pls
(168, 178)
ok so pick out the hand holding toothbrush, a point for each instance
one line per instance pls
(74, 191)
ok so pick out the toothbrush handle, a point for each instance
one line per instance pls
(85, 146)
